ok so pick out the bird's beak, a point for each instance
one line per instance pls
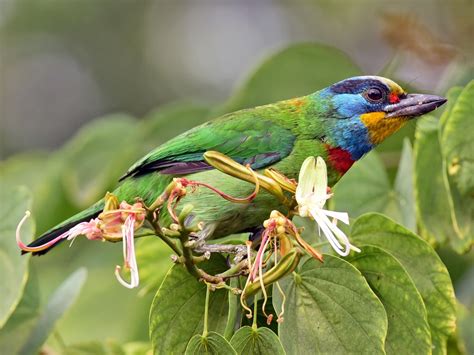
(414, 105)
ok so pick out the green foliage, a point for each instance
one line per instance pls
(330, 308)
(29, 326)
(456, 142)
(42, 174)
(408, 329)
(434, 214)
(60, 301)
(177, 311)
(367, 188)
(13, 267)
(16, 331)
(421, 262)
(154, 262)
(212, 343)
(104, 147)
(443, 154)
(248, 340)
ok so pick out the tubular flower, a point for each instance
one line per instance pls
(311, 196)
(116, 222)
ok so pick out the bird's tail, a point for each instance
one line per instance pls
(83, 216)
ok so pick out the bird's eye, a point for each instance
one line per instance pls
(374, 95)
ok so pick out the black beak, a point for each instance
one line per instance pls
(414, 105)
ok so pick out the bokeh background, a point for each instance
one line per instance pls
(65, 63)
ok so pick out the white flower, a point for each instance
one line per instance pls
(311, 195)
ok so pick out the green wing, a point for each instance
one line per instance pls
(242, 136)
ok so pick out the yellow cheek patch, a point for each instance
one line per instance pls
(380, 127)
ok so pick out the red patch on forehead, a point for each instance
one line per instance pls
(340, 159)
(393, 98)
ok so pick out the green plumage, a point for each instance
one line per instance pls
(276, 134)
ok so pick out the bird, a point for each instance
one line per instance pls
(340, 123)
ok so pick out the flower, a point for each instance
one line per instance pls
(128, 229)
(311, 196)
(116, 222)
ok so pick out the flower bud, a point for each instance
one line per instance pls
(274, 214)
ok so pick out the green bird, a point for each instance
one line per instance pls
(340, 123)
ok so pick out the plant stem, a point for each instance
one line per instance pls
(255, 310)
(234, 270)
(188, 258)
(232, 315)
(206, 311)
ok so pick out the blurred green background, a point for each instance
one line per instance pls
(144, 71)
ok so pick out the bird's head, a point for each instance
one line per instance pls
(362, 111)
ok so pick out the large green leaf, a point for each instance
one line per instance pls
(330, 308)
(297, 70)
(260, 341)
(177, 310)
(408, 329)
(457, 147)
(443, 216)
(212, 343)
(367, 188)
(17, 329)
(13, 266)
(60, 301)
(425, 268)
(97, 156)
(432, 208)
(457, 140)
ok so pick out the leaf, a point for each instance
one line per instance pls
(408, 329)
(366, 188)
(60, 301)
(177, 310)
(153, 258)
(457, 140)
(258, 341)
(421, 262)
(18, 327)
(404, 187)
(434, 215)
(444, 216)
(97, 156)
(457, 147)
(213, 343)
(330, 308)
(13, 266)
(297, 70)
